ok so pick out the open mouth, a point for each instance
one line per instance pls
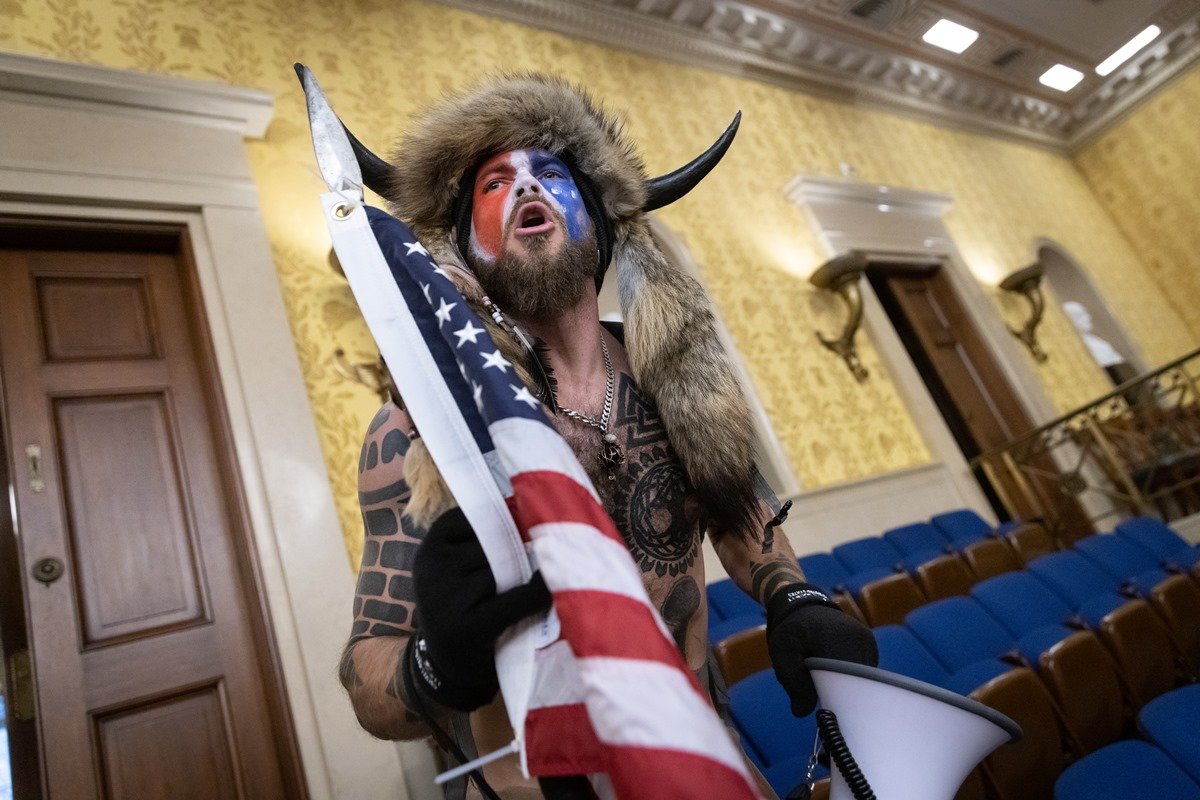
(533, 218)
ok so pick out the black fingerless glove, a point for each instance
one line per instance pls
(459, 615)
(803, 622)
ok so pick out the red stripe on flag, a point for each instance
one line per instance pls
(607, 625)
(546, 496)
(685, 776)
(559, 740)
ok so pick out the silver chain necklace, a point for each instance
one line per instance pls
(610, 451)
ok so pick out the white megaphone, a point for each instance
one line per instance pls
(907, 740)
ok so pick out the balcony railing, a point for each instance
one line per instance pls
(1135, 450)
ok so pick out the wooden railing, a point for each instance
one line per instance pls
(1135, 450)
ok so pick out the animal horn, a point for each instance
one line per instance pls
(664, 190)
(377, 174)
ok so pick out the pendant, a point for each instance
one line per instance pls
(612, 454)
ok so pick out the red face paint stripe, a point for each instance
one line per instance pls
(487, 215)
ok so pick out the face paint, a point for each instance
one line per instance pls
(508, 182)
(557, 180)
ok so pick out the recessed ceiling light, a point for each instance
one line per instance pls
(1061, 77)
(950, 36)
(1128, 49)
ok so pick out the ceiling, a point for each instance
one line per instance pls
(871, 52)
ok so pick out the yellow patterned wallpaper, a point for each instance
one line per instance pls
(1146, 172)
(382, 60)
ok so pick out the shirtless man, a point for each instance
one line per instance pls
(532, 242)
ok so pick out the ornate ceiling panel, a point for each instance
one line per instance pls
(872, 52)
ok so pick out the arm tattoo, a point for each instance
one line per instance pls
(384, 601)
(767, 577)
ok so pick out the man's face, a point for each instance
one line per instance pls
(533, 245)
(525, 202)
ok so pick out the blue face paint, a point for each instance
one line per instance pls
(552, 173)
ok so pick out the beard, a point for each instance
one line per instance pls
(542, 283)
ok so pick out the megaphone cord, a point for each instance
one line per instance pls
(839, 753)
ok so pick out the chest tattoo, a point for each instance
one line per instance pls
(651, 500)
(636, 420)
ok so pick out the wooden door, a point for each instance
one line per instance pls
(964, 378)
(151, 664)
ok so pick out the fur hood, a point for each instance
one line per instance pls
(670, 330)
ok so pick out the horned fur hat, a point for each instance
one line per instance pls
(670, 330)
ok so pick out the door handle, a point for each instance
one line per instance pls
(33, 457)
(48, 570)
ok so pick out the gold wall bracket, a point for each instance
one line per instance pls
(1027, 282)
(840, 275)
(372, 374)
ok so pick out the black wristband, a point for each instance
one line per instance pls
(430, 683)
(795, 596)
(425, 676)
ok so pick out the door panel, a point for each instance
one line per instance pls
(88, 318)
(131, 542)
(146, 652)
(142, 753)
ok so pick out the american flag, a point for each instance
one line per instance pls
(603, 690)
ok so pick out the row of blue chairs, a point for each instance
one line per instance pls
(938, 558)
(852, 565)
(1082, 627)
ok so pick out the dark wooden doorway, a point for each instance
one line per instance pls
(966, 382)
(154, 674)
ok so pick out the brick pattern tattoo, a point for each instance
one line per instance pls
(384, 602)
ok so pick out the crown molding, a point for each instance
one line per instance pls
(744, 40)
(247, 111)
(1135, 83)
(814, 189)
